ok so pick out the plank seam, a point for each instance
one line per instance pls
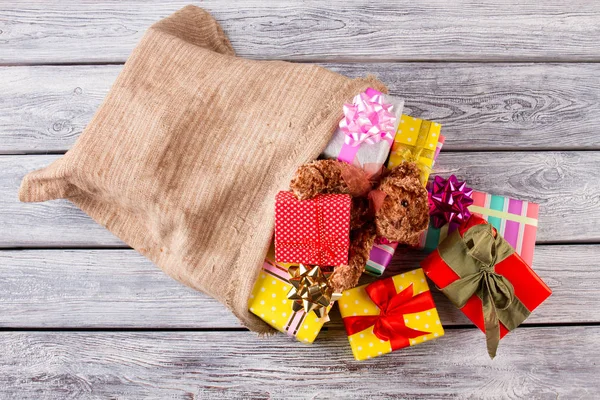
(241, 329)
(592, 242)
(344, 61)
(446, 150)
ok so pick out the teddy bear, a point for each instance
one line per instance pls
(395, 208)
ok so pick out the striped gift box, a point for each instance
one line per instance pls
(438, 148)
(516, 220)
(380, 257)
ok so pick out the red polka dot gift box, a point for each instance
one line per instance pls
(314, 231)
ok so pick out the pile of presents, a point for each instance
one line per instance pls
(478, 250)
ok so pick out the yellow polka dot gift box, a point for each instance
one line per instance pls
(416, 140)
(269, 301)
(390, 314)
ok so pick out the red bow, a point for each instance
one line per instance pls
(389, 325)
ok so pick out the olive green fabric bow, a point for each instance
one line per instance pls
(473, 257)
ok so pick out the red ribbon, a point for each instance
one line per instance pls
(356, 179)
(376, 199)
(321, 249)
(389, 325)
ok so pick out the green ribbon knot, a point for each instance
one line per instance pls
(473, 257)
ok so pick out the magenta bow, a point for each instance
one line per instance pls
(449, 201)
(368, 120)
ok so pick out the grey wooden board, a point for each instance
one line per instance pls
(122, 289)
(540, 363)
(481, 106)
(87, 31)
(563, 183)
(490, 84)
(53, 223)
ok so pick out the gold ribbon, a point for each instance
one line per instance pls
(415, 152)
(310, 290)
(473, 257)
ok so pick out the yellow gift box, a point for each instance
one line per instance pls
(390, 314)
(269, 301)
(416, 140)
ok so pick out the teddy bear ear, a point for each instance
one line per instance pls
(407, 169)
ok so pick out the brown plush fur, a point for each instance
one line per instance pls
(402, 217)
(321, 176)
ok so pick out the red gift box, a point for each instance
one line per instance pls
(529, 289)
(314, 231)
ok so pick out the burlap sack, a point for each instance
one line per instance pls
(183, 159)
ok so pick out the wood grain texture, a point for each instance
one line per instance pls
(541, 363)
(121, 289)
(488, 99)
(87, 31)
(52, 223)
(561, 182)
(46, 108)
(99, 289)
(482, 106)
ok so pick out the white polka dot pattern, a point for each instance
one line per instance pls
(314, 231)
(269, 301)
(366, 344)
(415, 138)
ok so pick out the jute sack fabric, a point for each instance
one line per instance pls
(186, 154)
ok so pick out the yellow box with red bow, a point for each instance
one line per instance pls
(390, 314)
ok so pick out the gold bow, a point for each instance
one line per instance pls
(311, 290)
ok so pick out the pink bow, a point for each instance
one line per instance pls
(369, 120)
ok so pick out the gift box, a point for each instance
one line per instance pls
(383, 250)
(515, 220)
(366, 132)
(438, 147)
(482, 275)
(416, 140)
(314, 231)
(389, 314)
(380, 256)
(269, 301)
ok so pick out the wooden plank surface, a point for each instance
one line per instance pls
(48, 224)
(516, 87)
(562, 182)
(122, 289)
(540, 363)
(60, 31)
(482, 106)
